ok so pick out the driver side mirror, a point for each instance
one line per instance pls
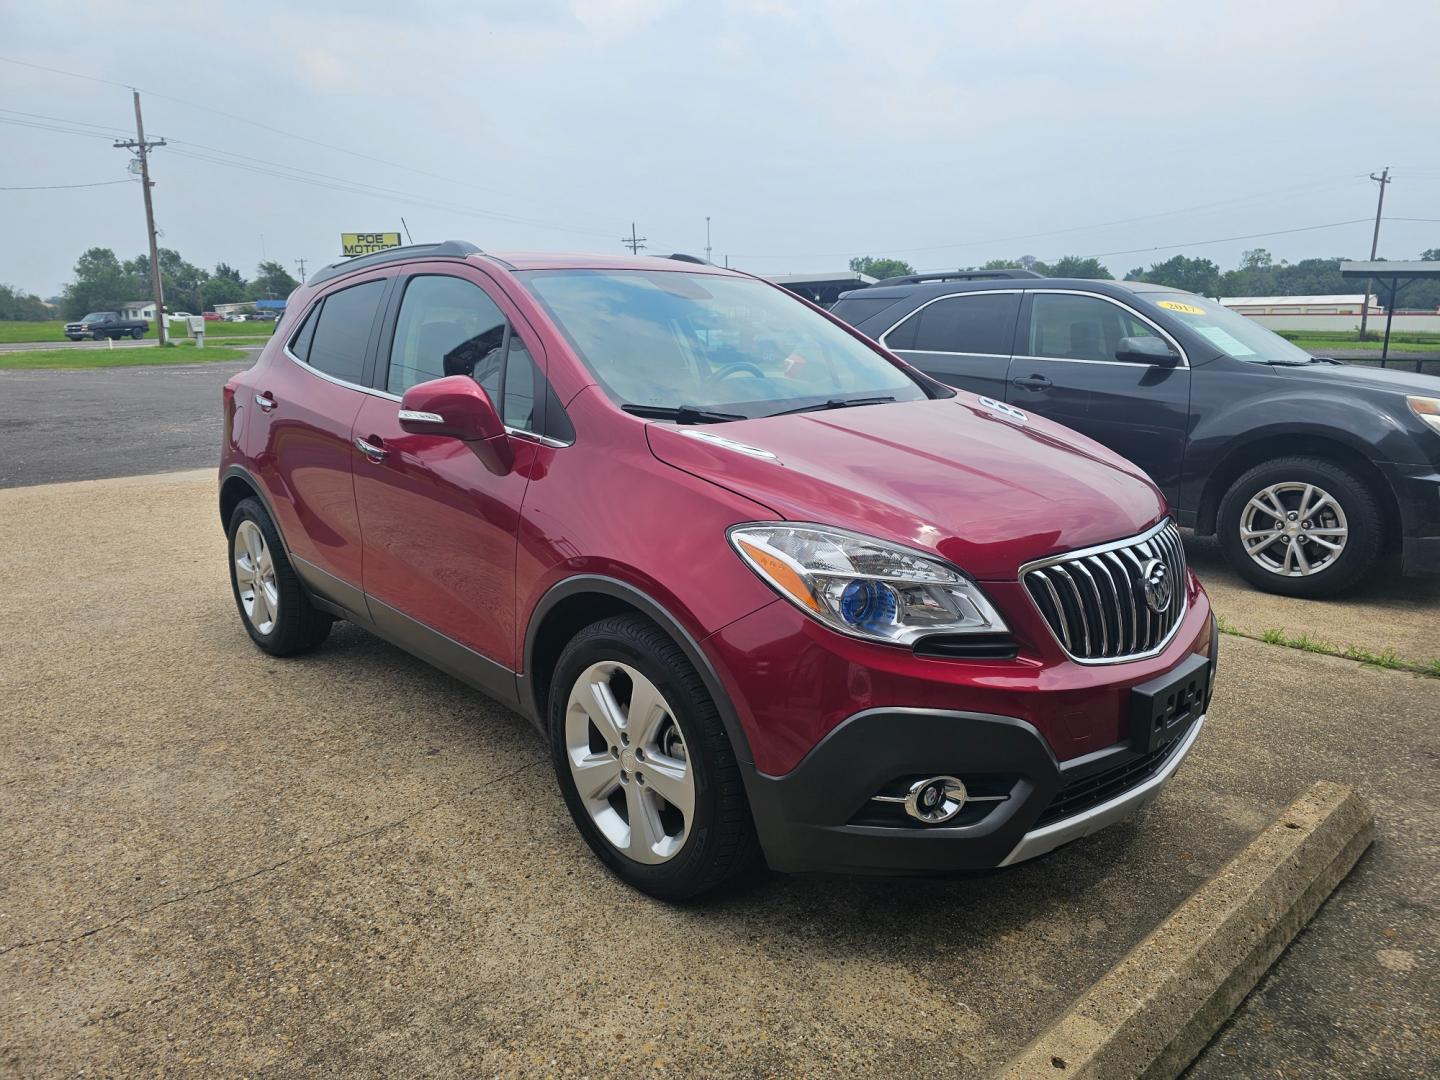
(458, 407)
(1147, 350)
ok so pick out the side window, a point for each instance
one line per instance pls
(1073, 327)
(300, 343)
(342, 331)
(978, 323)
(447, 326)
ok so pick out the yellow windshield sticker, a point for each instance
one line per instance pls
(1176, 305)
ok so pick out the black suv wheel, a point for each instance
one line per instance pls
(1300, 526)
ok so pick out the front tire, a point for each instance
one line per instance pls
(644, 763)
(1301, 526)
(273, 604)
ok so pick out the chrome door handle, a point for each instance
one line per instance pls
(370, 450)
(266, 402)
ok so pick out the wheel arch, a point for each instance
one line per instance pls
(571, 605)
(1280, 444)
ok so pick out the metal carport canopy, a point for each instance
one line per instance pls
(1395, 275)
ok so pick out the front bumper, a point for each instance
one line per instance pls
(1010, 731)
(1417, 491)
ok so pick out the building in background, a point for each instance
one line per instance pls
(1324, 312)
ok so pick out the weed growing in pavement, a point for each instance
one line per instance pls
(1386, 658)
(1274, 636)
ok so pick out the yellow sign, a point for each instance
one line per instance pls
(1175, 305)
(363, 243)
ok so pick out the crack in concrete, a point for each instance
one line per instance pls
(228, 882)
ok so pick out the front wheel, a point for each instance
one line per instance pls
(98, 335)
(644, 762)
(1301, 526)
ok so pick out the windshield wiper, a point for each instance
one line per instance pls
(682, 414)
(836, 403)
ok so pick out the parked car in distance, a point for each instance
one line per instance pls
(177, 316)
(99, 325)
(765, 588)
(211, 316)
(1310, 471)
(236, 317)
(264, 316)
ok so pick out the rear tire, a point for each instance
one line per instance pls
(679, 749)
(1301, 526)
(137, 333)
(272, 603)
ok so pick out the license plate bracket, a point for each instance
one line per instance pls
(1162, 709)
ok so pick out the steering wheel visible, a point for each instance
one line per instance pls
(734, 368)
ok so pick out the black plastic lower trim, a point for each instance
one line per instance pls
(804, 816)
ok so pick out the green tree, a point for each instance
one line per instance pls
(182, 280)
(101, 283)
(1073, 266)
(272, 282)
(1430, 255)
(1180, 272)
(15, 304)
(880, 268)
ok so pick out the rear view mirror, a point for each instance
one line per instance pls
(1147, 350)
(458, 407)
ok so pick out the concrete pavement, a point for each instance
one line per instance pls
(348, 863)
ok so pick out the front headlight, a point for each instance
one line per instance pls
(1427, 409)
(865, 587)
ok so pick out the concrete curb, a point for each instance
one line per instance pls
(1155, 1010)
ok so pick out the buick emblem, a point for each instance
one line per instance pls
(1155, 584)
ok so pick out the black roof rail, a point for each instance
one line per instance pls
(957, 275)
(680, 256)
(445, 249)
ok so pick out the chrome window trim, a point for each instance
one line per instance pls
(1180, 349)
(529, 436)
(1183, 596)
(935, 300)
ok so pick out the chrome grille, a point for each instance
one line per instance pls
(1095, 600)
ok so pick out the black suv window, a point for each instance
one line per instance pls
(1072, 327)
(968, 323)
(342, 331)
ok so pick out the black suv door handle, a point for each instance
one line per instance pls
(1033, 382)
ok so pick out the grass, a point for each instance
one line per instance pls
(54, 330)
(78, 359)
(1319, 341)
(1386, 658)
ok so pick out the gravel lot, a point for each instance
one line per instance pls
(219, 862)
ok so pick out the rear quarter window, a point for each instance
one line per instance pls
(856, 310)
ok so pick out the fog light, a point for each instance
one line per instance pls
(935, 800)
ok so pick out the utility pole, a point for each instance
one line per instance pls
(633, 242)
(157, 287)
(707, 238)
(1382, 180)
(301, 264)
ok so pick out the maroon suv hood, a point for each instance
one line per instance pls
(981, 489)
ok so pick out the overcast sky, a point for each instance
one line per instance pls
(943, 133)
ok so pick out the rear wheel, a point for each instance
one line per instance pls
(1301, 526)
(137, 333)
(273, 605)
(644, 762)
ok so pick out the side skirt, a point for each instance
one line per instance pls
(345, 601)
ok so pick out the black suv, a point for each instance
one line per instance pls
(1310, 470)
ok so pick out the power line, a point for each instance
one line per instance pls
(1071, 229)
(1228, 239)
(272, 130)
(67, 187)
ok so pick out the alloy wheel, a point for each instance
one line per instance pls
(255, 577)
(1293, 529)
(629, 762)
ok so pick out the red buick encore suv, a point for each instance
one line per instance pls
(766, 589)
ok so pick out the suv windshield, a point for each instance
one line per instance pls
(706, 344)
(1230, 332)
